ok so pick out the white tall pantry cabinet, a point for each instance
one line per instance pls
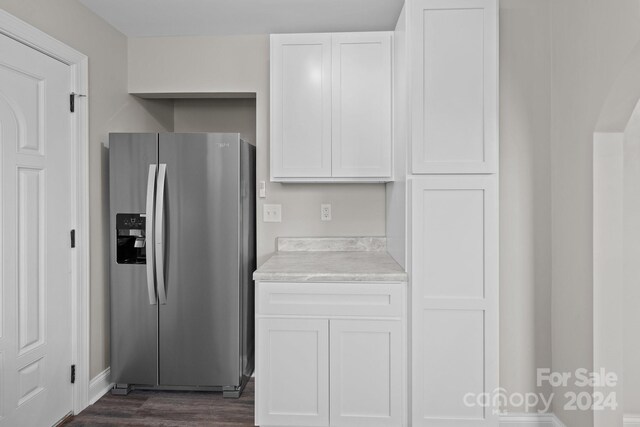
(442, 213)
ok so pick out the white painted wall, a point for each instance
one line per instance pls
(629, 301)
(241, 64)
(590, 43)
(608, 229)
(525, 199)
(111, 109)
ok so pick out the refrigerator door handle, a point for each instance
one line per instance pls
(151, 183)
(159, 237)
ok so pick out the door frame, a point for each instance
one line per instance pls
(22, 32)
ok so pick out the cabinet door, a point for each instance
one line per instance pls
(361, 101)
(454, 66)
(300, 105)
(455, 299)
(366, 373)
(292, 372)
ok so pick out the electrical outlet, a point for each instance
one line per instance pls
(272, 213)
(325, 212)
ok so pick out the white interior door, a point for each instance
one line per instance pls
(35, 212)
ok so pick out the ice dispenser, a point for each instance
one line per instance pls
(131, 240)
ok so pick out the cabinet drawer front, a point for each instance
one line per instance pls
(327, 299)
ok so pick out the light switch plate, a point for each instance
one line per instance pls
(272, 213)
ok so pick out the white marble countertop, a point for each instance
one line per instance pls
(331, 260)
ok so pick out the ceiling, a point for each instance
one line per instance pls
(151, 18)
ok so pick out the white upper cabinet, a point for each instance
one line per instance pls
(331, 107)
(454, 66)
(301, 105)
(361, 101)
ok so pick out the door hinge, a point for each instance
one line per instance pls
(73, 238)
(73, 374)
(72, 101)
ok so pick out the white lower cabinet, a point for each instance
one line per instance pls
(334, 369)
(365, 375)
(294, 366)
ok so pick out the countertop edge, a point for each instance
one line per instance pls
(331, 266)
(299, 277)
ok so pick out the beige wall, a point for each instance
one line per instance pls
(216, 115)
(559, 61)
(241, 64)
(591, 41)
(110, 109)
(525, 202)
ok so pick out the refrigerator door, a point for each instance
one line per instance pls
(134, 309)
(247, 254)
(200, 322)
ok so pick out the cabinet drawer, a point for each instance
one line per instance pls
(327, 299)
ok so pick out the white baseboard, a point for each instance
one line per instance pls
(100, 385)
(631, 420)
(530, 420)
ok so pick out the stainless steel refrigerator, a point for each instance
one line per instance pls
(182, 231)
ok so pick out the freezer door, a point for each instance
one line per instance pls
(134, 317)
(199, 324)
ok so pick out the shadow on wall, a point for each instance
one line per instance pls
(623, 97)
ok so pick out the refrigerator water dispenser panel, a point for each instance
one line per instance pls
(131, 239)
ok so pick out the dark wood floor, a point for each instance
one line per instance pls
(166, 408)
